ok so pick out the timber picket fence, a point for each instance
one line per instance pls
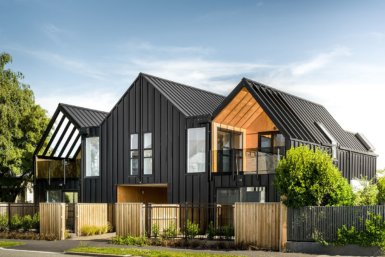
(262, 225)
(52, 220)
(129, 219)
(90, 214)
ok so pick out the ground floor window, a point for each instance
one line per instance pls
(70, 197)
(54, 196)
(242, 194)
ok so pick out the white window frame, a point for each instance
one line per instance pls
(89, 172)
(189, 170)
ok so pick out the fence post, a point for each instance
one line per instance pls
(185, 220)
(9, 215)
(282, 227)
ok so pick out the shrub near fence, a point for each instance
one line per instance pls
(311, 223)
(16, 216)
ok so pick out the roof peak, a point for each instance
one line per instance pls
(80, 107)
(280, 91)
(195, 88)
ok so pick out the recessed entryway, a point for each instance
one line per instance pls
(149, 193)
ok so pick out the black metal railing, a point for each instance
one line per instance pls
(249, 160)
(179, 220)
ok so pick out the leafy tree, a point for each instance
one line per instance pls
(309, 178)
(381, 190)
(22, 123)
(366, 193)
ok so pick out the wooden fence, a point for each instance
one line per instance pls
(262, 225)
(129, 219)
(52, 219)
(21, 209)
(90, 214)
(308, 223)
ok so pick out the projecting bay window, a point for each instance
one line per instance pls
(196, 150)
(147, 153)
(92, 156)
(134, 155)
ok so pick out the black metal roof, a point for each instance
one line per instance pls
(298, 117)
(84, 117)
(64, 137)
(189, 100)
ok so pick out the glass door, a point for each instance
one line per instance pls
(229, 145)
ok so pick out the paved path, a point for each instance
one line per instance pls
(34, 248)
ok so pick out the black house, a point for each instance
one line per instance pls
(164, 142)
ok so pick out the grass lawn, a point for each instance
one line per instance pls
(144, 253)
(9, 243)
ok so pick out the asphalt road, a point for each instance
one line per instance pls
(26, 253)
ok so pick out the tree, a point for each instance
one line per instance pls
(309, 178)
(381, 190)
(367, 195)
(22, 123)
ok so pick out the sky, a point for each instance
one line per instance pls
(88, 52)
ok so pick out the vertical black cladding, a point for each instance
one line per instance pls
(144, 109)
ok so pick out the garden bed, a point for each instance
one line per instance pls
(317, 248)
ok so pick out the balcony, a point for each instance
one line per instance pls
(249, 161)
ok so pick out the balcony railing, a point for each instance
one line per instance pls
(248, 161)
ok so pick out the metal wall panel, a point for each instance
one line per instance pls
(143, 109)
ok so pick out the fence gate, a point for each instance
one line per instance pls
(70, 216)
(262, 225)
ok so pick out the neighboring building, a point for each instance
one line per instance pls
(164, 142)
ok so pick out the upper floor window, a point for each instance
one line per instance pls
(92, 156)
(134, 155)
(196, 150)
(147, 153)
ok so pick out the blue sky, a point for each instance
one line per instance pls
(88, 52)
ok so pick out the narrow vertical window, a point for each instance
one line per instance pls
(196, 150)
(134, 155)
(92, 156)
(147, 153)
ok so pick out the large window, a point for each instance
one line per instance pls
(92, 156)
(134, 155)
(147, 153)
(196, 150)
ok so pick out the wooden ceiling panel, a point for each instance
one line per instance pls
(229, 109)
(245, 111)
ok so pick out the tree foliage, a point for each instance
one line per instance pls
(22, 123)
(381, 190)
(367, 194)
(309, 178)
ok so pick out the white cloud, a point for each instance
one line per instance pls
(318, 61)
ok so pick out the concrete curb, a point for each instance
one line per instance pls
(98, 254)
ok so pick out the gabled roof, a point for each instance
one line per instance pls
(189, 100)
(84, 117)
(64, 130)
(296, 117)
